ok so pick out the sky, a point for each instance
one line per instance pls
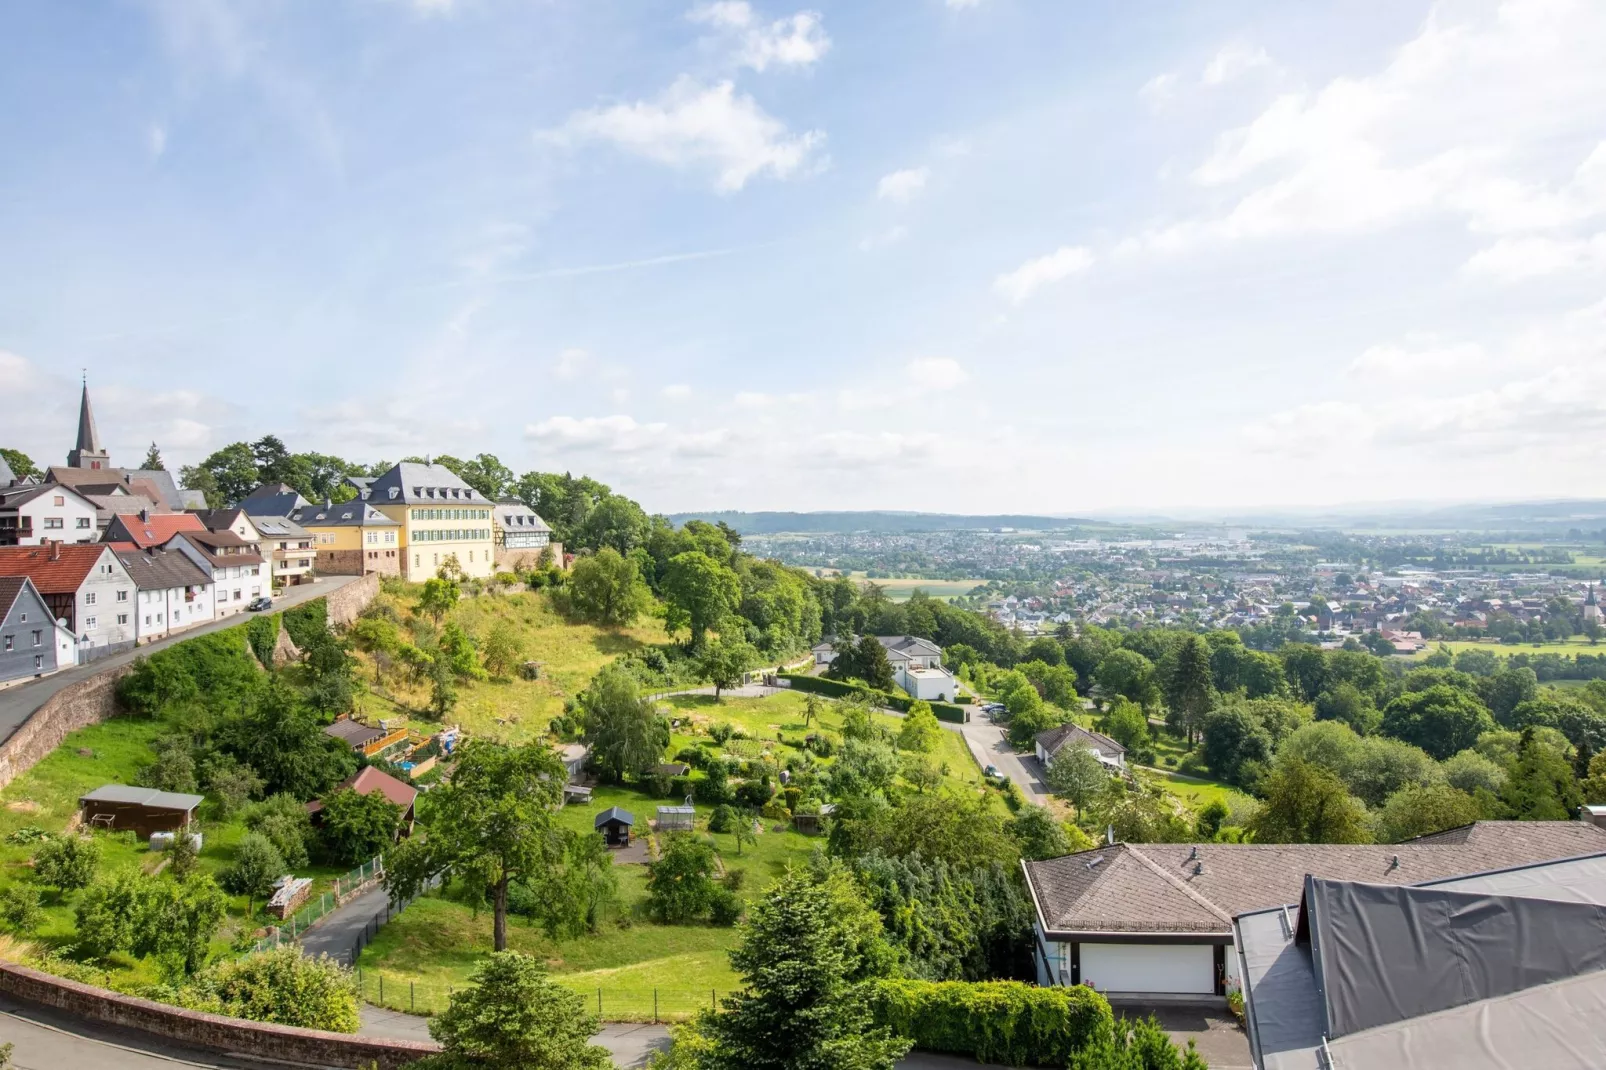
(949, 255)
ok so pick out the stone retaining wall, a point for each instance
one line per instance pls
(345, 604)
(308, 1047)
(87, 702)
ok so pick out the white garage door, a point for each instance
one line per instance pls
(1177, 968)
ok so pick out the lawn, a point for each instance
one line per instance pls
(1578, 644)
(899, 590)
(1197, 792)
(517, 710)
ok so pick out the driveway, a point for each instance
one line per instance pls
(989, 745)
(19, 702)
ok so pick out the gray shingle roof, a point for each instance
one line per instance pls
(272, 499)
(1154, 887)
(516, 516)
(347, 514)
(613, 813)
(1056, 738)
(411, 483)
(910, 646)
(162, 570)
(354, 733)
(157, 800)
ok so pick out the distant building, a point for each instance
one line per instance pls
(30, 513)
(441, 517)
(521, 535)
(917, 667)
(352, 538)
(174, 593)
(236, 566)
(1051, 743)
(272, 499)
(145, 529)
(288, 548)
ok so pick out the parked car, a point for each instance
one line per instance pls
(990, 771)
(257, 605)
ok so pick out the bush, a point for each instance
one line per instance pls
(1006, 1022)
(281, 985)
(724, 907)
(307, 622)
(262, 633)
(66, 862)
(257, 864)
(19, 909)
(721, 733)
(1140, 1045)
(721, 819)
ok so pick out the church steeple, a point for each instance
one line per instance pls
(88, 452)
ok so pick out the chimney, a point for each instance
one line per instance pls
(144, 516)
(55, 549)
(327, 504)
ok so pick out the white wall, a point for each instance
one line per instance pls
(1170, 968)
(75, 516)
(106, 597)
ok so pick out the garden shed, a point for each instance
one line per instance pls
(676, 818)
(616, 826)
(145, 810)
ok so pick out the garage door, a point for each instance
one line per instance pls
(1173, 968)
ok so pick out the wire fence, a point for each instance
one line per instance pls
(325, 904)
(417, 996)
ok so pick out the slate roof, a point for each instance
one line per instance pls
(11, 497)
(64, 575)
(1185, 888)
(613, 813)
(350, 514)
(160, 482)
(11, 588)
(1056, 738)
(910, 646)
(272, 499)
(156, 800)
(516, 516)
(162, 570)
(410, 483)
(154, 529)
(210, 542)
(279, 527)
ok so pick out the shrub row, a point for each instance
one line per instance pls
(1006, 1022)
(945, 711)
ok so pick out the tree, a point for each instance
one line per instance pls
(1508, 689)
(284, 986)
(356, 827)
(438, 597)
(1130, 675)
(1306, 667)
(20, 912)
(493, 823)
(700, 593)
(920, 732)
(278, 736)
(232, 784)
(605, 588)
(1383, 766)
(724, 662)
(106, 913)
(257, 864)
(1593, 787)
(864, 767)
(805, 968)
(1042, 835)
(1420, 809)
(486, 474)
(1540, 786)
(20, 463)
(1471, 772)
(1344, 702)
(680, 885)
(1233, 740)
(502, 650)
(1189, 690)
(742, 830)
(443, 688)
(1075, 774)
(1440, 720)
(1126, 724)
(232, 471)
(153, 460)
(874, 668)
(512, 1017)
(177, 920)
(1307, 804)
(811, 709)
(615, 523)
(626, 734)
(66, 863)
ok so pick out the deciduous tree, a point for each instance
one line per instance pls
(511, 1017)
(1307, 804)
(626, 734)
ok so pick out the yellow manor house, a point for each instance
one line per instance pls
(352, 538)
(438, 515)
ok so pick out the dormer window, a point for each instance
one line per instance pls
(394, 491)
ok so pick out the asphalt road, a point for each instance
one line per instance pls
(336, 935)
(989, 745)
(18, 703)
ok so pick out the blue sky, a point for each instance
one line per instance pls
(927, 254)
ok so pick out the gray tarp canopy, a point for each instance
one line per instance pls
(1496, 971)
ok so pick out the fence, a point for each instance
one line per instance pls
(610, 1004)
(303, 919)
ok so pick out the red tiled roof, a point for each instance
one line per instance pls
(157, 528)
(63, 575)
(370, 780)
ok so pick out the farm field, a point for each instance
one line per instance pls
(1578, 644)
(900, 590)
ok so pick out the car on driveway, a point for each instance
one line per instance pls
(257, 605)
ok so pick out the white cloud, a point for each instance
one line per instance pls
(570, 363)
(937, 373)
(617, 433)
(1019, 285)
(752, 399)
(1515, 259)
(903, 186)
(1417, 356)
(1466, 121)
(156, 140)
(1157, 91)
(693, 125)
(794, 41)
(1232, 62)
(958, 5)
(676, 392)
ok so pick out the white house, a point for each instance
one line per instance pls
(289, 549)
(236, 567)
(917, 667)
(1153, 921)
(30, 513)
(174, 593)
(521, 534)
(1051, 743)
(87, 589)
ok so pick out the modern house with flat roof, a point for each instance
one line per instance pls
(1155, 920)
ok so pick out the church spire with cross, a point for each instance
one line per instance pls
(88, 452)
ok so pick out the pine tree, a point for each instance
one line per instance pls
(874, 667)
(1540, 786)
(1190, 692)
(153, 460)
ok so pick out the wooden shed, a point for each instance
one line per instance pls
(145, 810)
(616, 826)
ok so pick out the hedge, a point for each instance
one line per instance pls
(945, 711)
(306, 621)
(995, 1021)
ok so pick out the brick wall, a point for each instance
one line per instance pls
(87, 702)
(352, 599)
(260, 1040)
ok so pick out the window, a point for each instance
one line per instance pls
(471, 557)
(83, 523)
(24, 618)
(59, 499)
(8, 642)
(122, 618)
(89, 599)
(147, 620)
(158, 618)
(90, 623)
(415, 560)
(236, 594)
(54, 523)
(38, 662)
(122, 596)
